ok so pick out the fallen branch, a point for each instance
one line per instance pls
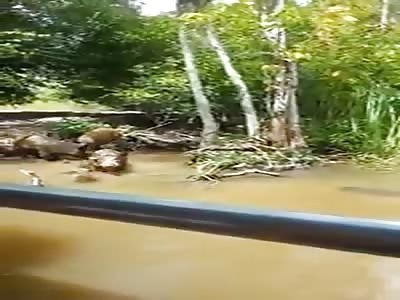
(250, 171)
(243, 157)
(250, 148)
(208, 178)
(159, 126)
(166, 140)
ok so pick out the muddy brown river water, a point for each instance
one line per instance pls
(46, 256)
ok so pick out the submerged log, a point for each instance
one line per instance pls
(83, 175)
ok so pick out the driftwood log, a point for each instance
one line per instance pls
(172, 140)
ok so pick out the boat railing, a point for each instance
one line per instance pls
(369, 236)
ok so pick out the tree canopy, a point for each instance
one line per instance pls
(106, 51)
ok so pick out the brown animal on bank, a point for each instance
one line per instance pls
(108, 160)
(98, 137)
(48, 148)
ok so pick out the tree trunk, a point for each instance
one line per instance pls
(252, 124)
(278, 126)
(284, 128)
(296, 139)
(210, 127)
(384, 14)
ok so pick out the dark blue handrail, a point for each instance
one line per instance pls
(369, 236)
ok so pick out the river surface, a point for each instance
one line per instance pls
(47, 256)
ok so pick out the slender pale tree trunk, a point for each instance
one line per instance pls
(284, 129)
(384, 14)
(296, 139)
(252, 124)
(210, 126)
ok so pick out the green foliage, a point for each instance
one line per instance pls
(373, 129)
(75, 42)
(165, 91)
(17, 61)
(239, 31)
(349, 78)
(100, 51)
(70, 129)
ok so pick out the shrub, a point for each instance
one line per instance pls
(71, 128)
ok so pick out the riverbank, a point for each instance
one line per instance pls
(231, 156)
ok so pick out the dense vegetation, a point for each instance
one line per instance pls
(107, 52)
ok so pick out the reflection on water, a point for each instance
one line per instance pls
(22, 247)
(45, 256)
(22, 287)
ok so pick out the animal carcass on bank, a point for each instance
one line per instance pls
(48, 148)
(108, 160)
(7, 147)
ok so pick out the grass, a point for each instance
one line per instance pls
(55, 105)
